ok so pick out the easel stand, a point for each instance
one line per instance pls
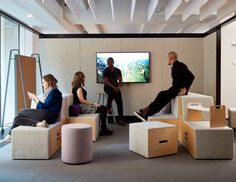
(15, 56)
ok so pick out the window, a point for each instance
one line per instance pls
(9, 40)
(12, 36)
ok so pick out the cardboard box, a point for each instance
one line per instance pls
(217, 116)
(204, 142)
(232, 117)
(153, 139)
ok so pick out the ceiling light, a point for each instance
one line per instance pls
(29, 15)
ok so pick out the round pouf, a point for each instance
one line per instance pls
(76, 143)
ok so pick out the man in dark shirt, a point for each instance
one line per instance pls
(182, 80)
(111, 75)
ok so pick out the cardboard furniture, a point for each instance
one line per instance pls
(153, 139)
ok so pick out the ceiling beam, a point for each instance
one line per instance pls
(92, 28)
(55, 11)
(197, 28)
(93, 8)
(132, 8)
(112, 10)
(171, 7)
(191, 8)
(141, 28)
(160, 28)
(226, 9)
(86, 5)
(81, 28)
(100, 28)
(151, 8)
(209, 8)
(74, 7)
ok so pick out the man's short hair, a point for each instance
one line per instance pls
(173, 54)
(110, 58)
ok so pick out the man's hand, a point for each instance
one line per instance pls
(182, 91)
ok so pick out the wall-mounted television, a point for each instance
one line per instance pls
(135, 66)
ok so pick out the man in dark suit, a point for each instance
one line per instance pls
(182, 80)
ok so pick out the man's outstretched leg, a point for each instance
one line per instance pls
(160, 101)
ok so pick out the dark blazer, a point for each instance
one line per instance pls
(181, 75)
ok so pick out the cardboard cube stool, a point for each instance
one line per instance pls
(153, 139)
(210, 139)
(232, 117)
(217, 114)
(205, 142)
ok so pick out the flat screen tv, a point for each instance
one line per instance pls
(135, 66)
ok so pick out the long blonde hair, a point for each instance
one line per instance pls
(78, 80)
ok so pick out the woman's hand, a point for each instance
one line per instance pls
(33, 97)
(96, 104)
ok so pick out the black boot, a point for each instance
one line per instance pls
(105, 132)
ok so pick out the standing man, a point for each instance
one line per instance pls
(111, 75)
(182, 80)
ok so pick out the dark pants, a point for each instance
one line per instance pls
(103, 116)
(162, 99)
(30, 117)
(118, 100)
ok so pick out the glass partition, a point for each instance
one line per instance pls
(9, 40)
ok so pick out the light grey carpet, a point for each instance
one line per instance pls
(114, 162)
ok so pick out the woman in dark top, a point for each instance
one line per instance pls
(86, 106)
(46, 111)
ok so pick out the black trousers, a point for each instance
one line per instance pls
(102, 110)
(118, 100)
(30, 117)
(162, 99)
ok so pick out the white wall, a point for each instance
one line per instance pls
(63, 57)
(228, 65)
(209, 72)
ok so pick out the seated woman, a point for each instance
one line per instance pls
(86, 106)
(46, 111)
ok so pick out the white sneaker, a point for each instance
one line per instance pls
(7, 139)
(42, 124)
(138, 115)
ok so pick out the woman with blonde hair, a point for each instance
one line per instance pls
(46, 111)
(86, 106)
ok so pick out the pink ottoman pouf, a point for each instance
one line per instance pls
(76, 146)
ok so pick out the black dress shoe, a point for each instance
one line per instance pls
(144, 110)
(121, 122)
(106, 132)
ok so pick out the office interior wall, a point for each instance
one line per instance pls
(63, 57)
(228, 65)
(209, 65)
